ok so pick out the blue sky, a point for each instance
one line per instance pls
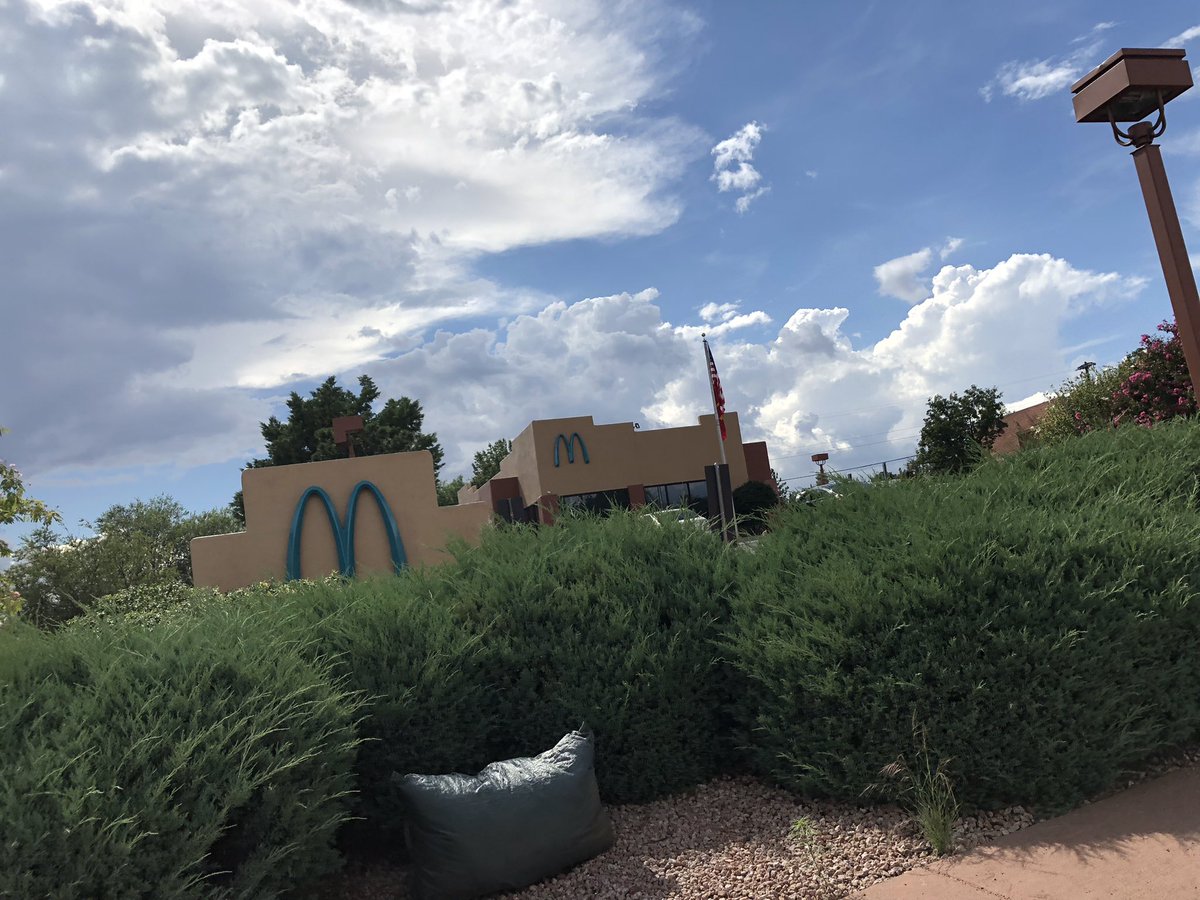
(518, 210)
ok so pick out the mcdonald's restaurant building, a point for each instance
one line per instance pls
(573, 462)
(380, 513)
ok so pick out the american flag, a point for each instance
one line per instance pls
(718, 394)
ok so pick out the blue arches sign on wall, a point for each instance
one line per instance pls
(343, 532)
(570, 445)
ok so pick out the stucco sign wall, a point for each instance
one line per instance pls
(371, 514)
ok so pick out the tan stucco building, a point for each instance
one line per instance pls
(575, 462)
(289, 533)
(377, 513)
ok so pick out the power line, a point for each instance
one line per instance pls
(851, 468)
(846, 449)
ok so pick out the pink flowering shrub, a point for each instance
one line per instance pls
(1150, 385)
(1158, 387)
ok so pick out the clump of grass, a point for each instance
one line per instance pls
(805, 833)
(925, 790)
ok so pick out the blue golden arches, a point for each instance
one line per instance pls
(343, 532)
(570, 445)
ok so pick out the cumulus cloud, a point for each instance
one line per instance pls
(902, 277)
(733, 169)
(804, 386)
(1025, 402)
(905, 276)
(228, 195)
(722, 318)
(202, 205)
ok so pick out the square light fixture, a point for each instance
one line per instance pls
(1131, 85)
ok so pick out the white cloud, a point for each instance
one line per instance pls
(233, 195)
(743, 202)
(722, 318)
(803, 388)
(1183, 37)
(902, 277)
(733, 169)
(1033, 80)
(905, 276)
(1025, 402)
(1037, 79)
(712, 312)
(951, 245)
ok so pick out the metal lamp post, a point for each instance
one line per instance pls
(1127, 87)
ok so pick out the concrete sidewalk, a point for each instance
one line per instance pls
(1140, 844)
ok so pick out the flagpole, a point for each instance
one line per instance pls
(724, 464)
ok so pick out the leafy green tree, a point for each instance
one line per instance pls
(487, 461)
(143, 543)
(447, 491)
(307, 433)
(959, 430)
(15, 506)
(782, 488)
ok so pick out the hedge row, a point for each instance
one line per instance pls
(208, 758)
(1037, 616)
(517, 641)
(1040, 617)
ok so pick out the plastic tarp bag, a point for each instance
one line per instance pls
(516, 822)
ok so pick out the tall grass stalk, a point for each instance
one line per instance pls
(923, 787)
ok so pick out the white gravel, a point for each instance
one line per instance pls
(726, 839)
(731, 839)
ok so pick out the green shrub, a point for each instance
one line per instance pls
(1039, 615)
(610, 621)
(509, 645)
(752, 502)
(203, 759)
(428, 708)
(1082, 405)
(167, 602)
(146, 604)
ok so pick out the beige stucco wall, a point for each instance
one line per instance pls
(407, 482)
(619, 455)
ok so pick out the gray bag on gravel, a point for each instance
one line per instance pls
(516, 822)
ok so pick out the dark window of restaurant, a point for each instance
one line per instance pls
(597, 502)
(677, 494)
(693, 494)
(656, 495)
